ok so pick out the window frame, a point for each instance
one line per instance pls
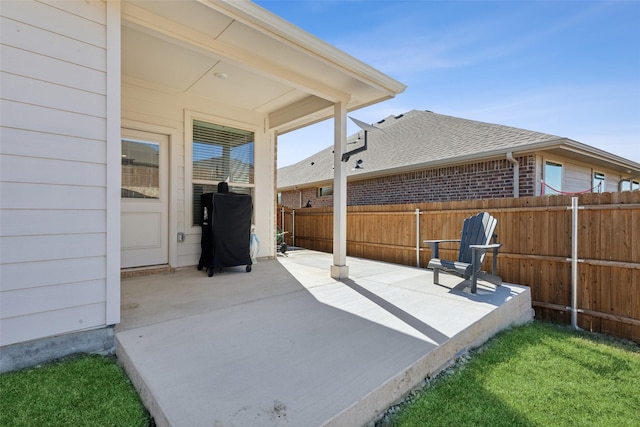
(157, 164)
(595, 181)
(554, 163)
(189, 118)
(631, 184)
(319, 192)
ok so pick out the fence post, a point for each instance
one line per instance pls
(293, 227)
(574, 263)
(282, 219)
(417, 237)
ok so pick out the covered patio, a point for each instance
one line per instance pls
(288, 345)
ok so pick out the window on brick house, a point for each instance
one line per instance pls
(325, 191)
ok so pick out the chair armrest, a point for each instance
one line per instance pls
(433, 244)
(486, 247)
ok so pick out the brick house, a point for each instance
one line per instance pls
(421, 156)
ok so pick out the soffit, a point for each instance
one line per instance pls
(185, 46)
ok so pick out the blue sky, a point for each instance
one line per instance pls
(568, 68)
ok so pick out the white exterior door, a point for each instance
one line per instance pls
(144, 196)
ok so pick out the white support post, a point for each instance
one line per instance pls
(113, 161)
(417, 237)
(339, 269)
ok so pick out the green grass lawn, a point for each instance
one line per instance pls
(77, 391)
(534, 375)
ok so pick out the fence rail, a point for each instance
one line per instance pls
(536, 237)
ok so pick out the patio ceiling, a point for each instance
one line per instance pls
(238, 54)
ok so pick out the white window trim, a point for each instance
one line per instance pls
(544, 171)
(593, 181)
(189, 117)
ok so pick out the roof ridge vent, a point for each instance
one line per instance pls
(399, 116)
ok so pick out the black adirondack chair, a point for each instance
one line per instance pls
(475, 241)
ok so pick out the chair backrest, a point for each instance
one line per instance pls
(476, 230)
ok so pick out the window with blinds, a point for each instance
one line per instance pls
(220, 153)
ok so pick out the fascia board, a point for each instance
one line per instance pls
(587, 150)
(560, 143)
(321, 115)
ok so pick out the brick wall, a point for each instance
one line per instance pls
(484, 180)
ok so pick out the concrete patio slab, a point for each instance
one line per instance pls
(287, 345)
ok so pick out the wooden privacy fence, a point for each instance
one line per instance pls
(536, 233)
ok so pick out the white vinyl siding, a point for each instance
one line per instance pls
(52, 70)
(577, 178)
(610, 184)
(52, 272)
(53, 173)
(54, 322)
(48, 298)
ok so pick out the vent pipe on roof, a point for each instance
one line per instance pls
(516, 174)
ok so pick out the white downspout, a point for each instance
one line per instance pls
(516, 174)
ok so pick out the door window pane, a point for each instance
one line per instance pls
(140, 169)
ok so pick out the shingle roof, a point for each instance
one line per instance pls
(417, 139)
